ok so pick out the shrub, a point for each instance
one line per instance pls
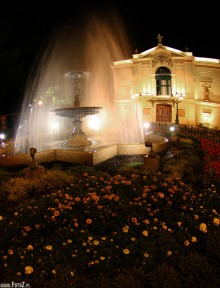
(19, 188)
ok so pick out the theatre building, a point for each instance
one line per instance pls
(166, 85)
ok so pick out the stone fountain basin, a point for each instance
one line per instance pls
(159, 143)
(94, 156)
(71, 112)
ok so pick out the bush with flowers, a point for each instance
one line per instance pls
(211, 151)
(107, 230)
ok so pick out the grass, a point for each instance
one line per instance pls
(78, 226)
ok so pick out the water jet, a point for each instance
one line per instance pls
(84, 55)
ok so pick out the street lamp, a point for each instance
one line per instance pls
(177, 99)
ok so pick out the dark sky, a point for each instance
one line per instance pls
(26, 28)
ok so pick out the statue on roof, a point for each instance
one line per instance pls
(159, 38)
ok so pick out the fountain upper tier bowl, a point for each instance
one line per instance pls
(78, 138)
(73, 112)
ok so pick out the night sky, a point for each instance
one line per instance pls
(26, 28)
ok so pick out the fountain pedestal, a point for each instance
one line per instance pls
(78, 140)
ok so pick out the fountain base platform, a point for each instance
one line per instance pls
(91, 155)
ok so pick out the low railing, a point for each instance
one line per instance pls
(192, 131)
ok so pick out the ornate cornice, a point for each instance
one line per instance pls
(162, 59)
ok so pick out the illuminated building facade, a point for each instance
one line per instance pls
(157, 82)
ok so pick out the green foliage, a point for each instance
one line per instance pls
(164, 276)
(19, 188)
(213, 244)
(197, 271)
(130, 278)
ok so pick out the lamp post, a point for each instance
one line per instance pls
(177, 99)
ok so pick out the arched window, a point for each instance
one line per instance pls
(163, 81)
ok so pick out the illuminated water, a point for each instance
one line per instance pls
(90, 47)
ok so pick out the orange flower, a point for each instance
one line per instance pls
(30, 247)
(186, 243)
(160, 194)
(28, 269)
(216, 221)
(37, 226)
(126, 251)
(134, 220)
(27, 228)
(10, 252)
(49, 247)
(56, 213)
(203, 227)
(88, 221)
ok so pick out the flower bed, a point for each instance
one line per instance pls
(112, 231)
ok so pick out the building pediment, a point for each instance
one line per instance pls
(160, 49)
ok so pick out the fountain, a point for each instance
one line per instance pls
(78, 137)
(94, 44)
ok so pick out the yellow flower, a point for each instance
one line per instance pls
(169, 253)
(96, 261)
(186, 243)
(69, 241)
(133, 239)
(90, 238)
(49, 247)
(1, 218)
(28, 270)
(96, 242)
(72, 273)
(54, 271)
(216, 221)
(146, 255)
(125, 230)
(145, 233)
(203, 227)
(193, 239)
(126, 251)
(16, 213)
(102, 257)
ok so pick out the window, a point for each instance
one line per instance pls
(181, 112)
(163, 81)
(146, 111)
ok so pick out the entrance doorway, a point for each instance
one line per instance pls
(163, 113)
